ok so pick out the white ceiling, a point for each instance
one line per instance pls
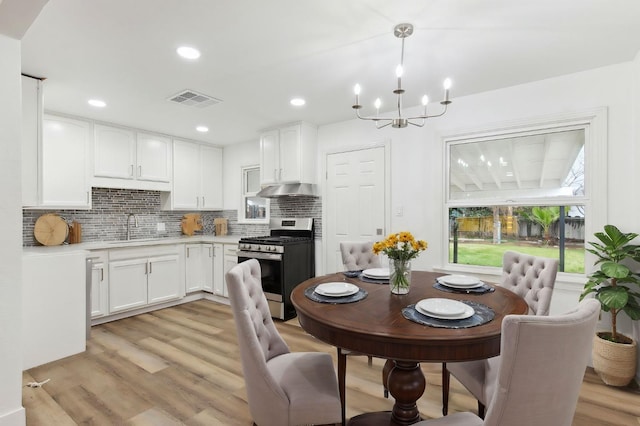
(256, 55)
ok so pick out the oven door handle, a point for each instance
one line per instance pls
(260, 255)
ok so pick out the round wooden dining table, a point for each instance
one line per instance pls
(376, 326)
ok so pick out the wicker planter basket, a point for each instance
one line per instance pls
(615, 363)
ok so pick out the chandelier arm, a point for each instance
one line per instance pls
(425, 116)
(378, 126)
(416, 124)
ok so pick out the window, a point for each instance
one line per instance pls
(529, 189)
(254, 209)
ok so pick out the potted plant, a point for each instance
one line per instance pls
(616, 287)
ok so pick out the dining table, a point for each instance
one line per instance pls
(379, 323)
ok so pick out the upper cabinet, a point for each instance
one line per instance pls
(197, 177)
(124, 158)
(287, 154)
(58, 166)
(31, 138)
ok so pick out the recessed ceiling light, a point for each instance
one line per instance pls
(297, 101)
(202, 129)
(188, 52)
(97, 103)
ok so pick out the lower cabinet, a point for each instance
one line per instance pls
(219, 289)
(206, 265)
(140, 277)
(199, 267)
(230, 260)
(99, 284)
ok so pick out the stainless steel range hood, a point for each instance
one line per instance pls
(289, 190)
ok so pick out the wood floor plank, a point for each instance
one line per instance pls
(181, 365)
(129, 351)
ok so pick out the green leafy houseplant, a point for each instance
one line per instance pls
(614, 284)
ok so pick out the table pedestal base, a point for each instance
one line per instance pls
(406, 383)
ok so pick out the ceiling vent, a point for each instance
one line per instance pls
(193, 98)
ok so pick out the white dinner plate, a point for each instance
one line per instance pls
(337, 289)
(376, 273)
(444, 309)
(460, 281)
(476, 285)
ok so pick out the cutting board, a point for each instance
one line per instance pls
(50, 230)
(191, 222)
(220, 224)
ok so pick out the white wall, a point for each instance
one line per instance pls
(234, 158)
(11, 411)
(417, 153)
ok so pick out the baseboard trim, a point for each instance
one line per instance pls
(14, 418)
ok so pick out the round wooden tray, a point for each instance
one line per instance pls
(50, 230)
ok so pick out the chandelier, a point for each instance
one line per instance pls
(402, 31)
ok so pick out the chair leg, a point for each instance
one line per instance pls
(446, 377)
(370, 362)
(480, 410)
(342, 371)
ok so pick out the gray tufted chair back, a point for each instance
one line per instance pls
(358, 255)
(530, 277)
(258, 338)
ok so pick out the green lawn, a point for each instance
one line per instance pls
(487, 254)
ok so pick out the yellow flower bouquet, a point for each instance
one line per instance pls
(400, 248)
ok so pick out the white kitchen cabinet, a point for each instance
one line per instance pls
(197, 177)
(153, 157)
(31, 138)
(163, 282)
(143, 276)
(57, 164)
(230, 260)
(287, 154)
(114, 152)
(54, 307)
(125, 158)
(99, 285)
(199, 267)
(65, 160)
(127, 284)
(219, 288)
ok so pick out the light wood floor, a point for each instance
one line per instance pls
(181, 366)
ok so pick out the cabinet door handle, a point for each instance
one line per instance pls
(202, 201)
(139, 171)
(188, 251)
(150, 267)
(146, 270)
(280, 175)
(88, 197)
(101, 274)
(197, 202)
(131, 171)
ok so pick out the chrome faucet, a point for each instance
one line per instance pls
(135, 223)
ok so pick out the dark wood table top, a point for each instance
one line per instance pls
(376, 326)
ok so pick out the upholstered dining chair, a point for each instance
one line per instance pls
(532, 278)
(543, 360)
(283, 388)
(358, 255)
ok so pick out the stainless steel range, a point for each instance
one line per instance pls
(286, 258)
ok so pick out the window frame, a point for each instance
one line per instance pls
(594, 123)
(242, 218)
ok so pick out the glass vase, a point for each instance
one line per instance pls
(399, 276)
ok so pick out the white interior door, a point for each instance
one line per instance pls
(356, 200)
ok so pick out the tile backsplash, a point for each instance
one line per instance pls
(107, 219)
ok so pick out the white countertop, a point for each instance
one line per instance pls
(103, 245)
